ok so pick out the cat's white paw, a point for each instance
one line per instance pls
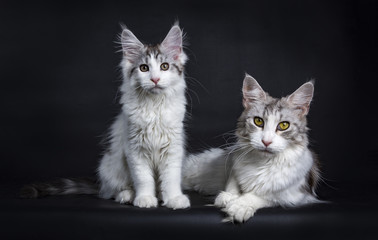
(126, 196)
(179, 202)
(223, 199)
(238, 211)
(146, 201)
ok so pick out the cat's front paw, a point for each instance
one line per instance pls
(146, 201)
(179, 202)
(223, 199)
(126, 196)
(238, 211)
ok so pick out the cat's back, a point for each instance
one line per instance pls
(205, 172)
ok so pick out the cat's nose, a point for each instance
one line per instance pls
(266, 143)
(155, 80)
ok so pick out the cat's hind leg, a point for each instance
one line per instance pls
(114, 178)
(125, 196)
(113, 171)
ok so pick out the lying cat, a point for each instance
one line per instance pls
(144, 159)
(270, 163)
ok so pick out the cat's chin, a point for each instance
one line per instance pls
(156, 90)
(267, 152)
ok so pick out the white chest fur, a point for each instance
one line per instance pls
(269, 175)
(154, 124)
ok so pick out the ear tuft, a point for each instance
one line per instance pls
(172, 44)
(302, 97)
(131, 46)
(252, 91)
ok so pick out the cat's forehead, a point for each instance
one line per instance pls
(271, 107)
(152, 52)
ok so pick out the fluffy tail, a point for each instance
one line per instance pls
(205, 172)
(63, 186)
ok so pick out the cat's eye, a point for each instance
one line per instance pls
(258, 121)
(282, 126)
(164, 66)
(143, 68)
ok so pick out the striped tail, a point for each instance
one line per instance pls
(64, 186)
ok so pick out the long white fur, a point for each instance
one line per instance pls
(143, 162)
(244, 176)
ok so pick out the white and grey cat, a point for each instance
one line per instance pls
(270, 163)
(146, 141)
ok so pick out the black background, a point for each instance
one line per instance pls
(59, 77)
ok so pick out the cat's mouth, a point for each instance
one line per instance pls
(264, 150)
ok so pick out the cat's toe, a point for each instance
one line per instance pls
(244, 214)
(126, 196)
(145, 201)
(223, 198)
(239, 213)
(179, 202)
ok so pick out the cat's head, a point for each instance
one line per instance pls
(272, 125)
(154, 68)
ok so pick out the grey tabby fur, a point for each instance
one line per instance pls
(267, 166)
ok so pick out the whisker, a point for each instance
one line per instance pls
(187, 49)
(191, 103)
(240, 158)
(232, 149)
(195, 81)
(195, 94)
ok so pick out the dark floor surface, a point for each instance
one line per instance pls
(350, 215)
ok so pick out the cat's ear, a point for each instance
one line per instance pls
(302, 97)
(252, 91)
(131, 46)
(172, 44)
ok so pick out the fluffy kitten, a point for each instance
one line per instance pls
(147, 139)
(144, 159)
(269, 165)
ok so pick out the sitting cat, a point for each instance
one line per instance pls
(147, 138)
(144, 159)
(270, 163)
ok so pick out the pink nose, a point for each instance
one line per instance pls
(266, 143)
(155, 80)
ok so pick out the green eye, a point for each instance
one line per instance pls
(143, 68)
(164, 66)
(282, 126)
(258, 121)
